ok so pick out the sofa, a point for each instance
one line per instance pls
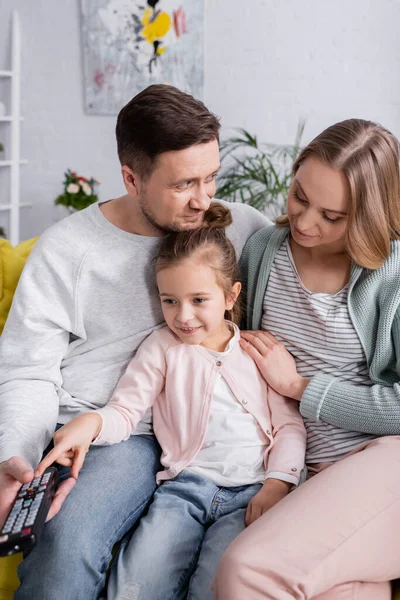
(12, 260)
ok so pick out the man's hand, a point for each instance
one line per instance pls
(71, 443)
(271, 492)
(14, 473)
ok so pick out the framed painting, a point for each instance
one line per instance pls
(130, 44)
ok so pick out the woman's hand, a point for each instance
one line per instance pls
(274, 362)
(271, 492)
(71, 443)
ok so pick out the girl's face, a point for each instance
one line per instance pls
(194, 304)
(318, 205)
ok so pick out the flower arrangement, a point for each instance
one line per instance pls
(79, 192)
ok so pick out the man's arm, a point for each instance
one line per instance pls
(34, 342)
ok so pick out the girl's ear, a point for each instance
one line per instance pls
(233, 296)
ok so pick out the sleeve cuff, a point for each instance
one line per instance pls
(314, 396)
(283, 477)
(97, 440)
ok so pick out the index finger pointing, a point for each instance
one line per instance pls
(49, 459)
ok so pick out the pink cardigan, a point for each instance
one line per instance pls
(177, 380)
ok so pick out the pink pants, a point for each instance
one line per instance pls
(337, 537)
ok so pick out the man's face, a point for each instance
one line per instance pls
(179, 190)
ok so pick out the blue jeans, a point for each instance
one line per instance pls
(113, 489)
(177, 546)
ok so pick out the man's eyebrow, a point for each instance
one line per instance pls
(339, 212)
(192, 178)
(192, 294)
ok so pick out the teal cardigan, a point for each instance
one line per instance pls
(373, 303)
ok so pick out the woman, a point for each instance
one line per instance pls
(324, 286)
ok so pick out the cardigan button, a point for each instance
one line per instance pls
(268, 432)
(244, 401)
(294, 469)
(218, 363)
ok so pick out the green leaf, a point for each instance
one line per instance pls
(258, 175)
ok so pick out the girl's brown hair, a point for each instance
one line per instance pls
(209, 245)
(368, 155)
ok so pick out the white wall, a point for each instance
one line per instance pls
(268, 64)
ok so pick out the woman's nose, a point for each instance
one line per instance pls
(305, 221)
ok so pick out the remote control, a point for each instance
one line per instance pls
(28, 514)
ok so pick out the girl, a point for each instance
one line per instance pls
(231, 446)
(324, 288)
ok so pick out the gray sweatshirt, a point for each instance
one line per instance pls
(85, 301)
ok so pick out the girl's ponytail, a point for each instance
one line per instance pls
(217, 216)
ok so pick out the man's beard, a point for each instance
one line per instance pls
(164, 227)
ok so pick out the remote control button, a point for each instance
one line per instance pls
(26, 531)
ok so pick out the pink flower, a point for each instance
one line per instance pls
(180, 22)
(73, 188)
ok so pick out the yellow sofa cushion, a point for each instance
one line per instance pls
(8, 576)
(12, 261)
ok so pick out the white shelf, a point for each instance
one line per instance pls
(9, 118)
(8, 163)
(4, 207)
(14, 161)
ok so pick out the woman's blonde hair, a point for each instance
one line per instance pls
(209, 245)
(368, 155)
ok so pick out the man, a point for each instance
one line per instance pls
(85, 301)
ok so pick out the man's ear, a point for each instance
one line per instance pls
(131, 181)
(233, 296)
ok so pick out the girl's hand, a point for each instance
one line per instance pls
(274, 362)
(72, 442)
(271, 492)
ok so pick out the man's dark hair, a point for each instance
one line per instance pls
(159, 119)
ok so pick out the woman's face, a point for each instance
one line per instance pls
(318, 204)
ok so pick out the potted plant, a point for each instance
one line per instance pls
(79, 192)
(257, 174)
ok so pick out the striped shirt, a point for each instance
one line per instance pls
(317, 330)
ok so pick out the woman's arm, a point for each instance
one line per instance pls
(370, 409)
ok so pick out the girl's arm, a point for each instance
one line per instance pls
(71, 443)
(136, 391)
(285, 460)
